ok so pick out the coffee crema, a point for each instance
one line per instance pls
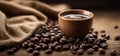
(75, 16)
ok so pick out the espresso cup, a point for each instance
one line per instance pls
(75, 28)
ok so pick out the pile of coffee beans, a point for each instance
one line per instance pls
(50, 38)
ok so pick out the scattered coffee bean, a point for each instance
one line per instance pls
(113, 53)
(10, 51)
(30, 49)
(25, 44)
(73, 52)
(58, 47)
(95, 47)
(117, 37)
(101, 51)
(73, 47)
(36, 53)
(104, 45)
(90, 51)
(66, 47)
(116, 27)
(48, 51)
(102, 31)
(38, 47)
(80, 51)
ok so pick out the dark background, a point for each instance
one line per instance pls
(87, 4)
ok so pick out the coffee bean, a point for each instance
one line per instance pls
(44, 46)
(82, 46)
(73, 52)
(95, 47)
(102, 31)
(88, 46)
(103, 34)
(55, 43)
(73, 47)
(107, 36)
(80, 51)
(66, 47)
(116, 27)
(90, 51)
(96, 32)
(101, 51)
(62, 40)
(10, 52)
(48, 51)
(113, 53)
(30, 49)
(58, 47)
(25, 44)
(31, 44)
(36, 53)
(46, 40)
(38, 47)
(104, 45)
(53, 38)
(117, 37)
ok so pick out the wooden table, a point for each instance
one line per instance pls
(104, 19)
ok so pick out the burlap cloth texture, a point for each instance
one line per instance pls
(19, 19)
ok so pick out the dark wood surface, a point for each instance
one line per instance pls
(104, 19)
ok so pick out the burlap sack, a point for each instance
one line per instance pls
(19, 19)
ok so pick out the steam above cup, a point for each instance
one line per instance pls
(75, 23)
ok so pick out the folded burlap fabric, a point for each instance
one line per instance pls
(19, 19)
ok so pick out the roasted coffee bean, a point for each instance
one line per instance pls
(45, 34)
(37, 47)
(58, 47)
(62, 40)
(107, 36)
(31, 44)
(25, 44)
(102, 31)
(88, 46)
(116, 27)
(48, 51)
(113, 53)
(90, 51)
(104, 45)
(101, 51)
(10, 51)
(36, 53)
(73, 47)
(38, 35)
(73, 52)
(95, 47)
(52, 38)
(55, 43)
(30, 49)
(95, 35)
(82, 46)
(117, 37)
(80, 51)
(46, 40)
(96, 32)
(45, 46)
(92, 29)
(66, 47)
(52, 34)
(103, 34)
(14, 49)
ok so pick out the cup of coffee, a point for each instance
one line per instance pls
(75, 23)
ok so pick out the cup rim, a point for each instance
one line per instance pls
(59, 14)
